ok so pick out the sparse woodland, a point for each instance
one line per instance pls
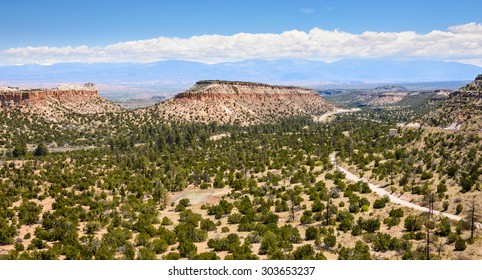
(125, 186)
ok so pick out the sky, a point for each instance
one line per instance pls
(211, 31)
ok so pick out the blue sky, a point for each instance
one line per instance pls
(97, 23)
(100, 22)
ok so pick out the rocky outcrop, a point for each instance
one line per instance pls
(462, 110)
(387, 98)
(243, 103)
(54, 104)
(10, 98)
(471, 90)
(10, 95)
(232, 89)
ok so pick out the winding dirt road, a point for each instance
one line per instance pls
(327, 115)
(395, 199)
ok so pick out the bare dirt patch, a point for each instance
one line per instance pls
(197, 196)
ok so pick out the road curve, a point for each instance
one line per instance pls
(382, 192)
(326, 115)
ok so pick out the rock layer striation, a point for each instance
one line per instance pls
(54, 104)
(242, 103)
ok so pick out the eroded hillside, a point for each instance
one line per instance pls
(239, 103)
(57, 104)
(461, 111)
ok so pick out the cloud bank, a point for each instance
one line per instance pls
(459, 43)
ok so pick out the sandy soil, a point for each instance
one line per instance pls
(197, 196)
(219, 136)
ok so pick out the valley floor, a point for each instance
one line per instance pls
(295, 189)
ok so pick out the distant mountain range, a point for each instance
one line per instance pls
(174, 76)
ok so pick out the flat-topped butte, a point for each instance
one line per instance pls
(235, 88)
(14, 95)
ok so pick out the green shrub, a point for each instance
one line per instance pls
(159, 245)
(311, 233)
(413, 223)
(166, 221)
(330, 241)
(459, 208)
(460, 244)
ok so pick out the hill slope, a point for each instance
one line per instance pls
(240, 102)
(461, 111)
(57, 103)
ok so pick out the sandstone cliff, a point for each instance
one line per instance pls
(54, 104)
(203, 90)
(241, 103)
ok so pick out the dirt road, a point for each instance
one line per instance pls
(395, 199)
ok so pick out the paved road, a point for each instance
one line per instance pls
(395, 199)
(326, 115)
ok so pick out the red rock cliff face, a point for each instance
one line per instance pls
(57, 104)
(241, 102)
(204, 90)
(9, 96)
(62, 94)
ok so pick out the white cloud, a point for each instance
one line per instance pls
(458, 43)
(470, 28)
(475, 61)
(307, 10)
